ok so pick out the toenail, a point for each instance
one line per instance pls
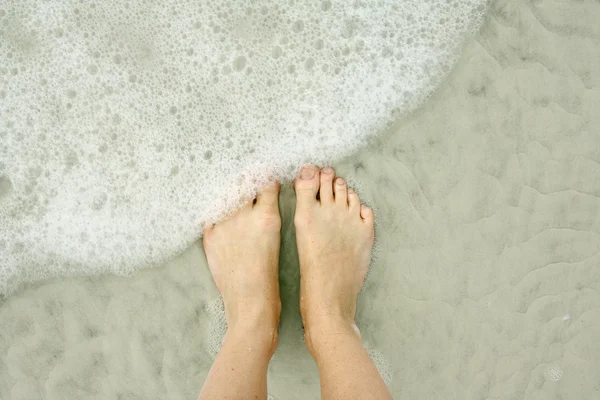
(340, 181)
(307, 173)
(328, 170)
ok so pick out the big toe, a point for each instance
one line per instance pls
(307, 186)
(268, 197)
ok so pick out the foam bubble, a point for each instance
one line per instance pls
(382, 365)
(217, 322)
(152, 118)
(554, 373)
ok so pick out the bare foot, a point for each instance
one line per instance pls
(243, 256)
(334, 236)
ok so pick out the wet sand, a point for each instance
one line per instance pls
(487, 280)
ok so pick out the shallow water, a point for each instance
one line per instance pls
(486, 284)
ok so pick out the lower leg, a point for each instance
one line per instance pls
(240, 369)
(345, 368)
(242, 254)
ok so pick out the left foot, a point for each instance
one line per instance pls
(334, 234)
(243, 257)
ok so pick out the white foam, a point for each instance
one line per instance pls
(124, 126)
(381, 363)
(217, 325)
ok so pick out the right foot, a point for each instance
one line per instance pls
(243, 257)
(334, 235)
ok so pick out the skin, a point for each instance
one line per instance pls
(334, 239)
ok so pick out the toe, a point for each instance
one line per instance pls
(341, 192)
(353, 200)
(244, 207)
(207, 226)
(366, 213)
(307, 186)
(326, 189)
(207, 231)
(268, 197)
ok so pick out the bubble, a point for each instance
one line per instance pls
(173, 110)
(208, 155)
(71, 160)
(99, 201)
(309, 63)
(319, 44)
(298, 26)
(239, 63)
(18, 247)
(277, 52)
(349, 29)
(5, 186)
(554, 373)
(382, 365)
(34, 172)
(326, 5)
(92, 69)
(217, 323)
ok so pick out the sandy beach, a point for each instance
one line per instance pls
(486, 282)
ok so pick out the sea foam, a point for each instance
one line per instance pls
(126, 126)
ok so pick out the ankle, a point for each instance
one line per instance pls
(317, 312)
(260, 317)
(252, 309)
(321, 331)
(261, 340)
